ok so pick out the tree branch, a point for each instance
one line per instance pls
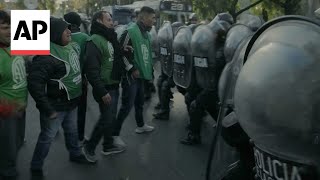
(248, 7)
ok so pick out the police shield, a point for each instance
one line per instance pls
(236, 42)
(277, 98)
(252, 21)
(154, 42)
(207, 51)
(182, 57)
(165, 39)
(235, 36)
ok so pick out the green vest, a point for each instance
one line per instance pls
(13, 80)
(107, 52)
(142, 51)
(71, 81)
(81, 39)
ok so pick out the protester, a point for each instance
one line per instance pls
(13, 101)
(80, 39)
(139, 69)
(55, 84)
(102, 50)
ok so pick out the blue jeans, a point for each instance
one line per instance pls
(103, 128)
(49, 129)
(132, 94)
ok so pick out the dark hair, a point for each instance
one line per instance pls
(4, 17)
(73, 18)
(147, 10)
(99, 15)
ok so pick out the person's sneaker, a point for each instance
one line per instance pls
(82, 159)
(144, 128)
(89, 154)
(81, 142)
(153, 88)
(112, 150)
(191, 139)
(118, 141)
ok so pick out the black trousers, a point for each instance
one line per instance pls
(132, 95)
(207, 100)
(82, 110)
(164, 85)
(12, 133)
(104, 126)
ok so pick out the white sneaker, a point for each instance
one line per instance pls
(118, 141)
(144, 129)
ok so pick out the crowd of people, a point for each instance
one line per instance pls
(59, 83)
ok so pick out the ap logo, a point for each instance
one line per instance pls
(74, 61)
(18, 72)
(30, 30)
(145, 54)
(111, 51)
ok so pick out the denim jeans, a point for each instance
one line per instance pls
(49, 129)
(103, 128)
(132, 94)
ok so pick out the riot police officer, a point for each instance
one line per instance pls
(165, 81)
(209, 62)
(277, 99)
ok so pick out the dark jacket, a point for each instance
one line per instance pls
(93, 60)
(49, 98)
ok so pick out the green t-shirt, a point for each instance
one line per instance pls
(13, 79)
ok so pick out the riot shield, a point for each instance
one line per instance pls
(252, 21)
(207, 51)
(225, 159)
(165, 39)
(235, 36)
(154, 42)
(231, 72)
(277, 98)
(182, 57)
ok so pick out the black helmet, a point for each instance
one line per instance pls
(277, 98)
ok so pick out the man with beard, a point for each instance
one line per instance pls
(80, 40)
(13, 101)
(138, 67)
(54, 82)
(102, 50)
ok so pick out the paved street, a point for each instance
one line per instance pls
(154, 156)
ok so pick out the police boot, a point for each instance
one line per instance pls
(162, 115)
(158, 106)
(147, 95)
(153, 88)
(171, 95)
(191, 139)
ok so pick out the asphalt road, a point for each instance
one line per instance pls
(154, 156)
